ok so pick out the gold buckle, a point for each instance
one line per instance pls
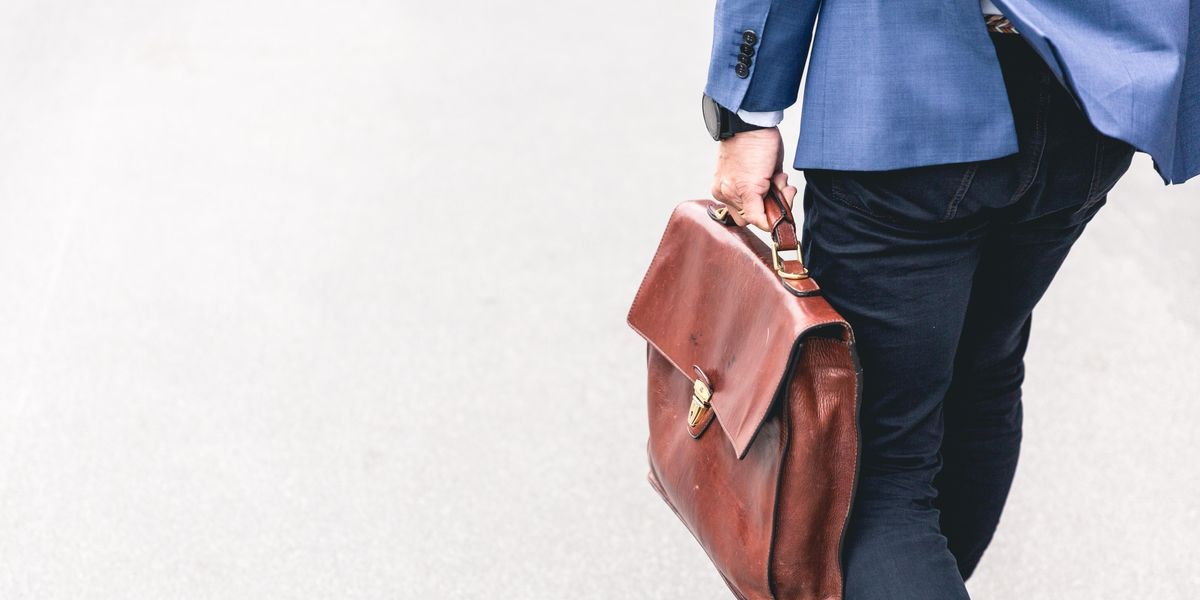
(701, 395)
(803, 274)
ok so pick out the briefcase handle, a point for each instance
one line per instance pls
(783, 239)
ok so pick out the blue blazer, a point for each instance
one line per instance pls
(904, 84)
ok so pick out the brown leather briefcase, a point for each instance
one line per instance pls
(737, 335)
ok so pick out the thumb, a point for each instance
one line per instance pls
(750, 193)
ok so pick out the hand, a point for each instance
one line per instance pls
(747, 165)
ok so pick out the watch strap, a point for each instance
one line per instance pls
(737, 125)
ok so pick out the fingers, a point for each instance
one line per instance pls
(746, 166)
(745, 200)
(780, 181)
(723, 191)
(747, 196)
(789, 194)
(750, 196)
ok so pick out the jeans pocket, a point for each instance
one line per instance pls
(917, 194)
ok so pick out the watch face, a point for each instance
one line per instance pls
(712, 117)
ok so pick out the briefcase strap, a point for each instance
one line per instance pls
(792, 273)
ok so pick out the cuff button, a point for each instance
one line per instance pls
(749, 37)
(742, 70)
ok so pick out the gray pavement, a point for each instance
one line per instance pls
(326, 300)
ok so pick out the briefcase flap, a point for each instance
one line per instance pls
(712, 299)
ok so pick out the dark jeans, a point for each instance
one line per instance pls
(938, 269)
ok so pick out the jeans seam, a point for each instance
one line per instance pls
(1039, 132)
(963, 186)
(1097, 167)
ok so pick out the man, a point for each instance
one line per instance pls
(952, 155)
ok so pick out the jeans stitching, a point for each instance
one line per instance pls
(1095, 194)
(835, 191)
(963, 186)
(1097, 167)
(1039, 132)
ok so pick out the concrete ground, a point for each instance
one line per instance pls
(326, 300)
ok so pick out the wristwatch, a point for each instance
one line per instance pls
(723, 123)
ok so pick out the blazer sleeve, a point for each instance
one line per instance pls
(770, 39)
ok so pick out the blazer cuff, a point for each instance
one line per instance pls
(759, 50)
(736, 41)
